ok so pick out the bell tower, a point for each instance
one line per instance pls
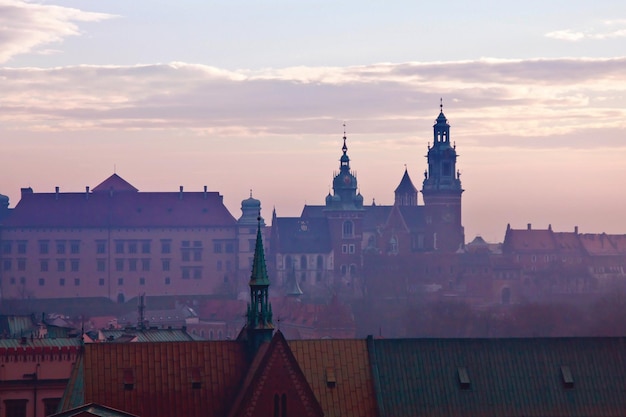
(442, 191)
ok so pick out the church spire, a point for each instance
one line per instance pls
(259, 323)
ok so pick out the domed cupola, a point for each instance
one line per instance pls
(344, 185)
(250, 209)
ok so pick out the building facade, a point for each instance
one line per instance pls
(116, 242)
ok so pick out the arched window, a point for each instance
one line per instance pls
(344, 269)
(320, 262)
(393, 245)
(288, 262)
(348, 228)
(303, 263)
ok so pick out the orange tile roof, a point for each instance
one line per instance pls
(529, 240)
(598, 244)
(156, 379)
(353, 393)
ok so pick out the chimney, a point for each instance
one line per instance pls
(576, 229)
(180, 196)
(205, 187)
(56, 193)
(26, 191)
(530, 226)
(87, 193)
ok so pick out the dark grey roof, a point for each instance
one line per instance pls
(500, 377)
(302, 235)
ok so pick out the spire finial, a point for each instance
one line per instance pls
(441, 104)
(250, 192)
(344, 148)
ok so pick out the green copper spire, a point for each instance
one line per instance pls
(259, 270)
(259, 317)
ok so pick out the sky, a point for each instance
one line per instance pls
(252, 95)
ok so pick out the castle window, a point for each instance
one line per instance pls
(61, 247)
(217, 247)
(43, 247)
(344, 270)
(21, 247)
(348, 229)
(351, 248)
(303, 263)
(393, 245)
(145, 246)
(344, 248)
(320, 262)
(74, 246)
(100, 246)
(74, 263)
(166, 246)
(6, 247)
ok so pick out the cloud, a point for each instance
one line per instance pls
(537, 98)
(24, 26)
(610, 29)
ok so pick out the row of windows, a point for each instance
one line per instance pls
(187, 273)
(291, 262)
(345, 268)
(120, 246)
(347, 248)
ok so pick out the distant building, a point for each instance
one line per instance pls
(116, 242)
(324, 249)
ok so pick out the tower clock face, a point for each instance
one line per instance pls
(346, 179)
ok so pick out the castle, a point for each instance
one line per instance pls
(115, 241)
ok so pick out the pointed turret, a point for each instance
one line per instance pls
(259, 325)
(406, 193)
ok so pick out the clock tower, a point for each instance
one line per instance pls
(442, 191)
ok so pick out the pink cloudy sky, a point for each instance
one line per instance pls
(248, 96)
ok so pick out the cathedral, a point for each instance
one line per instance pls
(327, 244)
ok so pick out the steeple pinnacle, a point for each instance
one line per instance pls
(259, 323)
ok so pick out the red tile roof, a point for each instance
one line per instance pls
(529, 240)
(598, 244)
(162, 375)
(121, 209)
